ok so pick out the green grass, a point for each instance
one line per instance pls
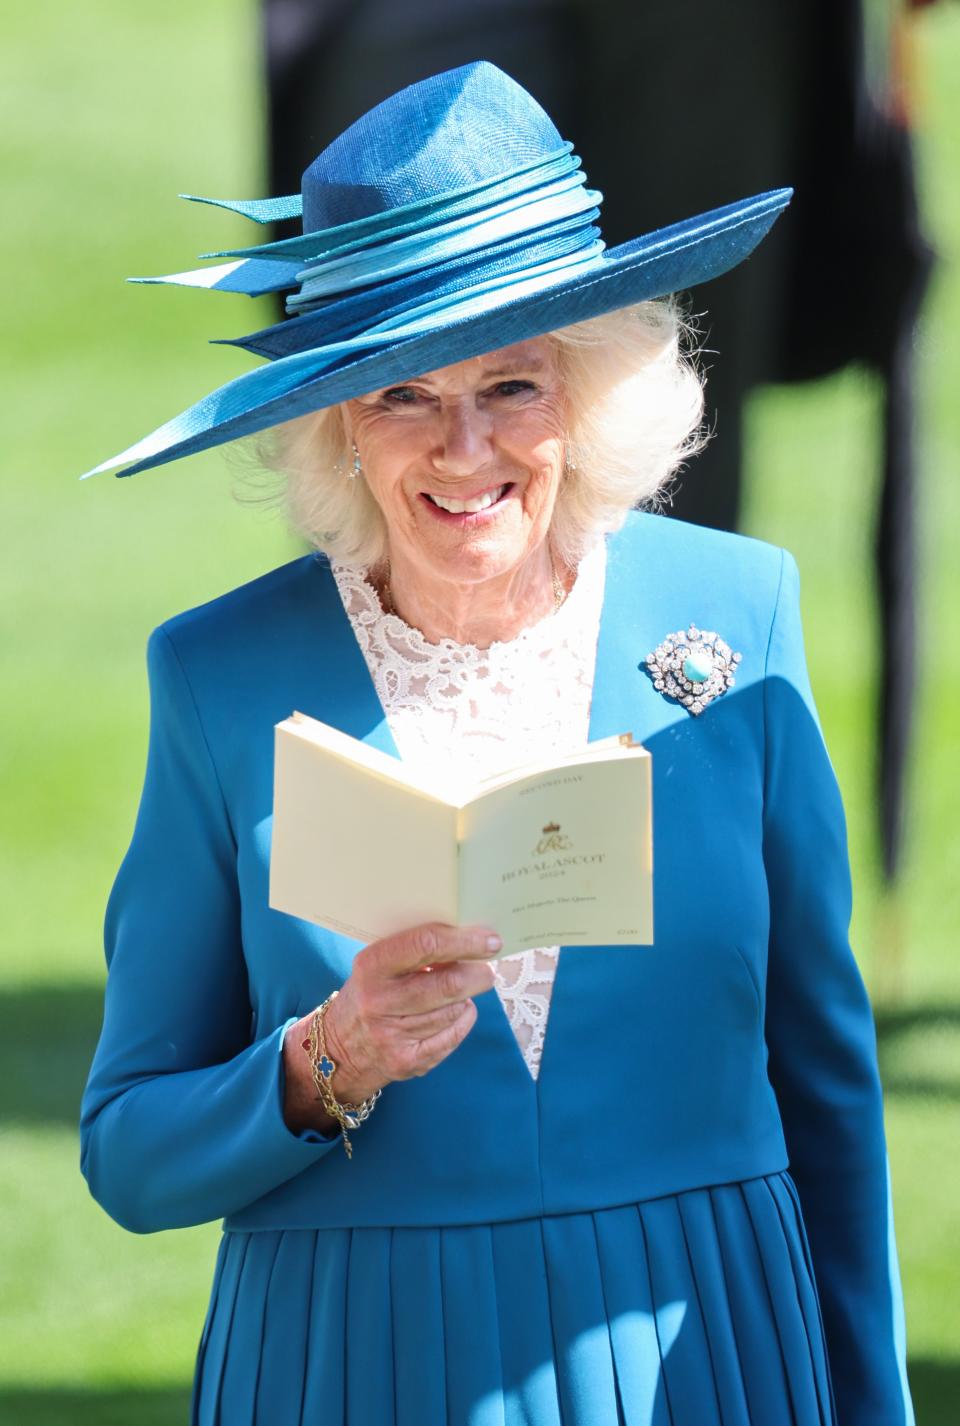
(111, 110)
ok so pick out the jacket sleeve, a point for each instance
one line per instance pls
(822, 1044)
(182, 1118)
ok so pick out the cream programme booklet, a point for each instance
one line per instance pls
(558, 853)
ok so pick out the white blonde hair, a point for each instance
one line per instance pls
(634, 401)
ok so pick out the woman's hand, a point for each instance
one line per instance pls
(406, 1006)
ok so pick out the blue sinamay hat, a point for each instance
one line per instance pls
(449, 221)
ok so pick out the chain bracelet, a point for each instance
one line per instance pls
(322, 1069)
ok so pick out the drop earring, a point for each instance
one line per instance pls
(357, 467)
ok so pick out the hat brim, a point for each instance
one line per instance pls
(669, 260)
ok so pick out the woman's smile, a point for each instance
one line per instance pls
(465, 509)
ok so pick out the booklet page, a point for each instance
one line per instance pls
(353, 851)
(562, 857)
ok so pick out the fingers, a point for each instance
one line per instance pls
(395, 999)
(424, 991)
(429, 945)
(418, 1028)
(428, 1053)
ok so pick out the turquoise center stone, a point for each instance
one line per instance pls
(698, 667)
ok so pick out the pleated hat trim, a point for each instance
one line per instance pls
(275, 267)
(412, 216)
(258, 210)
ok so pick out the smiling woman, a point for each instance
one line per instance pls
(606, 1224)
(631, 407)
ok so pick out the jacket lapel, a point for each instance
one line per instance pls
(345, 695)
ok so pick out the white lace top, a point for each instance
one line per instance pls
(476, 712)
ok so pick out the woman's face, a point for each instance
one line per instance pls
(486, 434)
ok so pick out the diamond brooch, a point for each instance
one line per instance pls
(694, 667)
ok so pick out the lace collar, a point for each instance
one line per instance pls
(362, 603)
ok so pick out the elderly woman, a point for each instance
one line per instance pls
(633, 1184)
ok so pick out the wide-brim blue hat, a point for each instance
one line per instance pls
(449, 221)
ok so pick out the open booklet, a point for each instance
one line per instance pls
(552, 853)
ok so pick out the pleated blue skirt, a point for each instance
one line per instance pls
(694, 1310)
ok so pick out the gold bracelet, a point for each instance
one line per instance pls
(323, 1068)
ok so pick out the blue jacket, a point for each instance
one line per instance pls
(741, 1042)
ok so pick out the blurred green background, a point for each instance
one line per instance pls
(109, 111)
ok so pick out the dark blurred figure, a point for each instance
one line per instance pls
(702, 103)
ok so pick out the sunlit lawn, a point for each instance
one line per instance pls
(112, 110)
